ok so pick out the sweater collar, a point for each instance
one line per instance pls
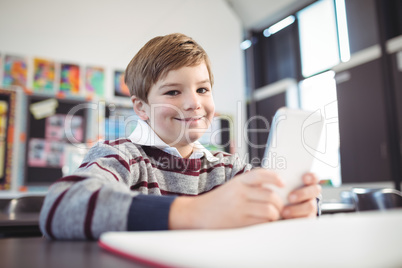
(144, 135)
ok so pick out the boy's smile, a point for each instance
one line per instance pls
(180, 107)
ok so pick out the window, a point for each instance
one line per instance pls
(318, 37)
(305, 46)
(319, 93)
(323, 44)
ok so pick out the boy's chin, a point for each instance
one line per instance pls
(191, 138)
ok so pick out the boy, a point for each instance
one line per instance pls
(160, 177)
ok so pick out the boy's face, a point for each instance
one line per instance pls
(180, 106)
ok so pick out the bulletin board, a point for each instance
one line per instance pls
(47, 139)
(7, 117)
(120, 121)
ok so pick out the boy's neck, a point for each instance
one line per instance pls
(185, 151)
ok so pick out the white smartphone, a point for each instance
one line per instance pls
(292, 143)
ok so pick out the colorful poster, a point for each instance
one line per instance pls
(37, 155)
(70, 79)
(120, 88)
(95, 81)
(44, 71)
(59, 129)
(15, 71)
(43, 153)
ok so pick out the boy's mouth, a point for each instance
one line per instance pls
(190, 119)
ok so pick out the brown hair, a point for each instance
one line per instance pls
(159, 56)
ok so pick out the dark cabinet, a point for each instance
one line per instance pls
(259, 125)
(362, 124)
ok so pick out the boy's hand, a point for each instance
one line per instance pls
(244, 200)
(303, 201)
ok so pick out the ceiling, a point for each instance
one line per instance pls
(259, 14)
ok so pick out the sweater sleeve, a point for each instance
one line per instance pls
(239, 166)
(154, 211)
(97, 198)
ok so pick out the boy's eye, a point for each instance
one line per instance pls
(202, 90)
(172, 93)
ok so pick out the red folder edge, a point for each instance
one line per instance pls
(132, 257)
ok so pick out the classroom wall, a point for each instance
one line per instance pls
(108, 33)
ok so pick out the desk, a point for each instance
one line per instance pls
(19, 224)
(365, 239)
(330, 208)
(37, 252)
(19, 215)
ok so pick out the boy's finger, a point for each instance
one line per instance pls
(267, 212)
(304, 193)
(258, 177)
(308, 208)
(310, 178)
(267, 196)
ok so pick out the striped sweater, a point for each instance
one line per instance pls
(123, 186)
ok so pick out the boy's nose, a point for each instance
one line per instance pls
(192, 102)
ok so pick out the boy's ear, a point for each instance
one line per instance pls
(139, 107)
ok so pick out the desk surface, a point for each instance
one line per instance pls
(329, 208)
(41, 253)
(366, 239)
(19, 219)
(19, 225)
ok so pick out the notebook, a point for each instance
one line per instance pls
(366, 239)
